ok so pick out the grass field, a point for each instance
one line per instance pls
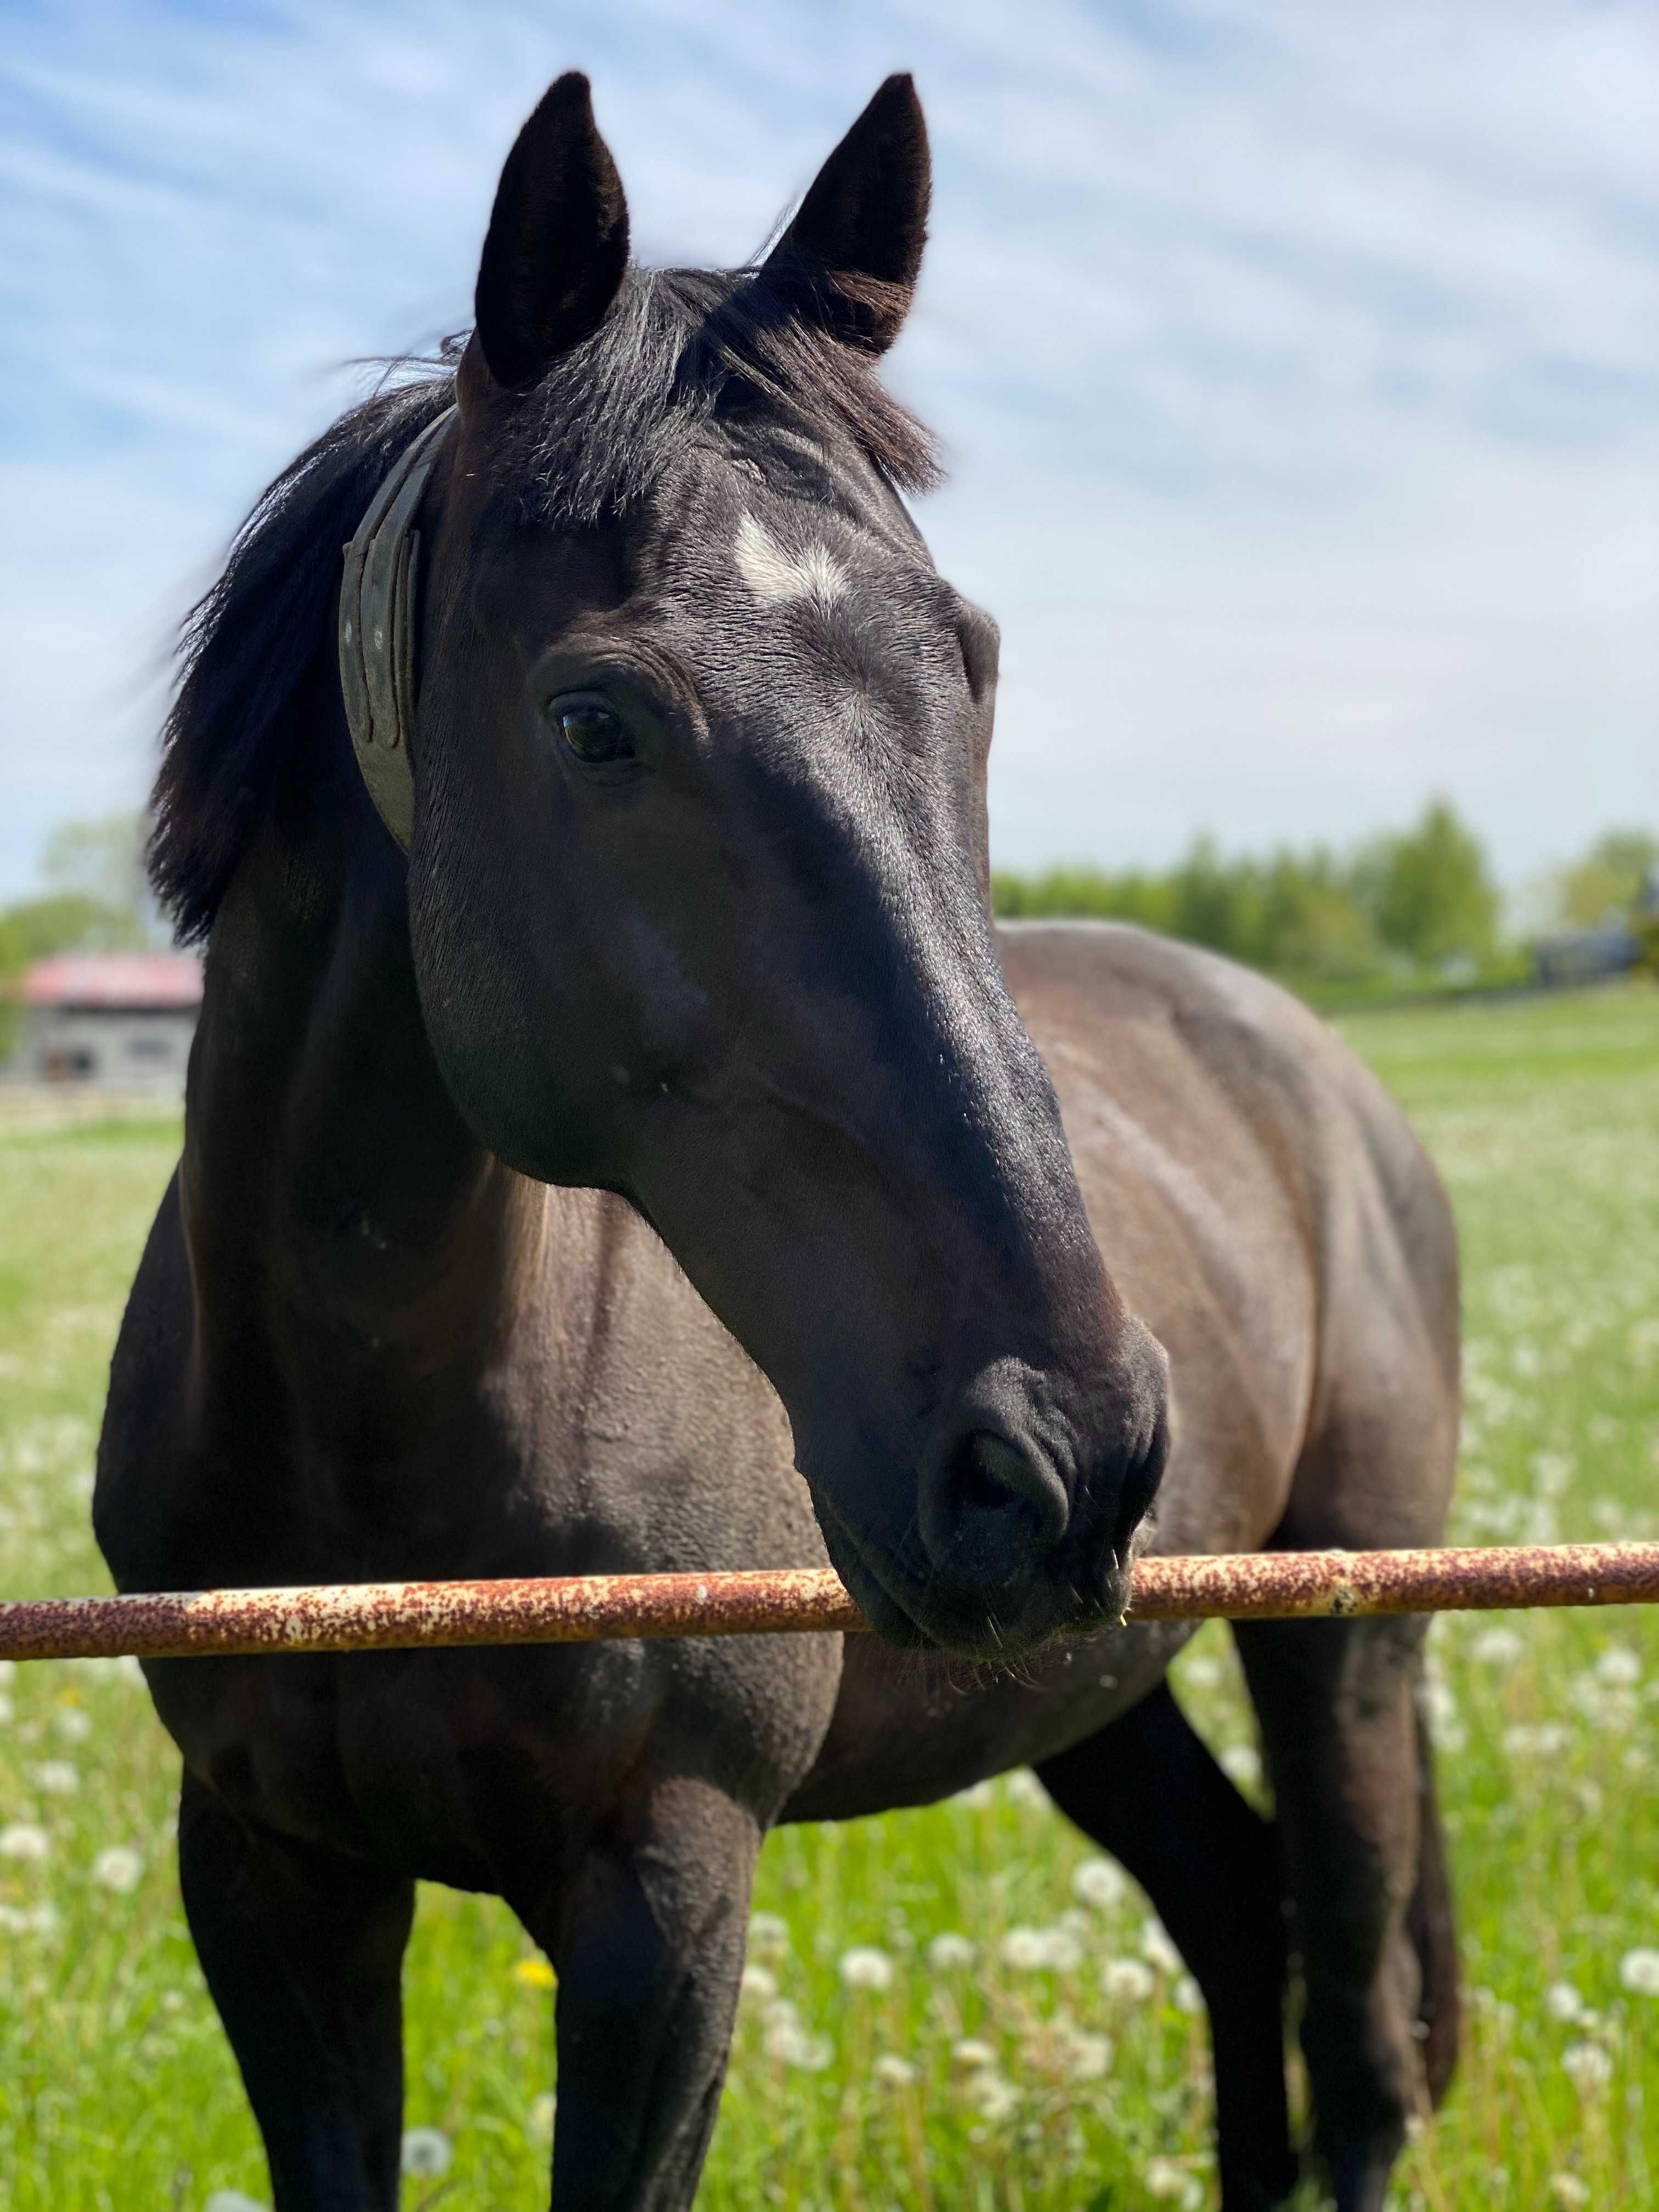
(1048, 2057)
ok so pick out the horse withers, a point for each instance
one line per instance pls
(611, 1104)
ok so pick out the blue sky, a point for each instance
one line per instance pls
(1297, 363)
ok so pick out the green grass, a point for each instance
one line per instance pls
(116, 2088)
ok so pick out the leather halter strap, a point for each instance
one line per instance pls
(377, 632)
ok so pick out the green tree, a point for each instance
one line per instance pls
(1429, 891)
(1601, 886)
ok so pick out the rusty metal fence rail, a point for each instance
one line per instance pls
(582, 1609)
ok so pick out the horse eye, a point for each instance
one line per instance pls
(593, 730)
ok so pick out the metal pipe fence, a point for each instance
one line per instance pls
(588, 1609)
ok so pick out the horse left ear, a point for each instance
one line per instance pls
(849, 261)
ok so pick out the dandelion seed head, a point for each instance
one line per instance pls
(1023, 1788)
(897, 2073)
(543, 2111)
(1563, 2003)
(73, 1724)
(426, 2152)
(56, 1777)
(864, 1967)
(1588, 2067)
(992, 2096)
(118, 1868)
(1639, 1970)
(1157, 1949)
(1185, 1996)
(22, 1839)
(949, 1953)
(757, 1983)
(1087, 2056)
(1619, 1666)
(1568, 2190)
(1098, 1882)
(1496, 1647)
(769, 1934)
(1130, 1979)
(973, 2055)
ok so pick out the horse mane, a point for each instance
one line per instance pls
(681, 350)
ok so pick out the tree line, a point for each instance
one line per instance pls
(1418, 904)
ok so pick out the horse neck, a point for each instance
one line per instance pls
(346, 1229)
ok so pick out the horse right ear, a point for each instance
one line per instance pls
(557, 249)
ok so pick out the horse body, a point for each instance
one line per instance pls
(790, 1194)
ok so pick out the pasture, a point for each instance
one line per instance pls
(961, 2008)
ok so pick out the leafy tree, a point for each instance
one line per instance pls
(1603, 885)
(1429, 891)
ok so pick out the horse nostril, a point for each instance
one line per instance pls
(996, 1509)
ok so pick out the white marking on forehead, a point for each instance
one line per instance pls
(774, 573)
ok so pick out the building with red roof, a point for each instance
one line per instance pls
(121, 1018)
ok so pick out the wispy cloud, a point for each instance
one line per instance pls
(1297, 362)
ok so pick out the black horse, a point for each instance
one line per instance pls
(661, 1129)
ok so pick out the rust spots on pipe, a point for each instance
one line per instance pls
(586, 1608)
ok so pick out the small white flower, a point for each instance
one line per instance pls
(74, 1725)
(1024, 1949)
(1165, 2178)
(1098, 1882)
(1639, 1970)
(1241, 1763)
(1563, 2003)
(542, 2112)
(1185, 1996)
(1619, 1666)
(769, 1934)
(117, 1869)
(974, 2057)
(57, 1777)
(949, 1953)
(1568, 2190)
(426, 2152)
(1496, 1647)
(1088, 2056)
(232, 2200)
(23, 1840)
(992, 2097)
(1588, 2067)
(1156, 1948)
(759, 1981)
(897, 2073)
(1023, 1788)
(28, 1920)
(864, 1968)
(1129, 1978)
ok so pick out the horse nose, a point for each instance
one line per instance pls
(991, 1508)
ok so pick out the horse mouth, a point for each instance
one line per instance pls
(922, 1613)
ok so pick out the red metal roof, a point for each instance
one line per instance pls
(115, 979)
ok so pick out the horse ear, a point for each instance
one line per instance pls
(556, 248)
(849, 260)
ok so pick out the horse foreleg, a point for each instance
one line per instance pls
(303, 1952)
(648, 1941)
(1336, 1703)
(1147, 1787)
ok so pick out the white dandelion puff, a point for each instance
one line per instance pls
(759, 1983)
(543, 2111)
(426, 2152)
(1088, 2056)
(1156, 1948)
(1569, 2191)
(118, 1868)
(992, 2096)
(1130, 1979)
(56, 1777)
(1185, 1996)
(769, 1934)
(1166, 2179)
(74, 1725)
(864, 1967)
(22, 1839)
(1588, 2067)
(1563, 2003)
(1619, 1667)
(897, 2073)
(233, 2200)
(1098, 1883)
(1639, 1970)
(951, 1952)
(973, 2055)
(1496, 1647)
(1023, 1788)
